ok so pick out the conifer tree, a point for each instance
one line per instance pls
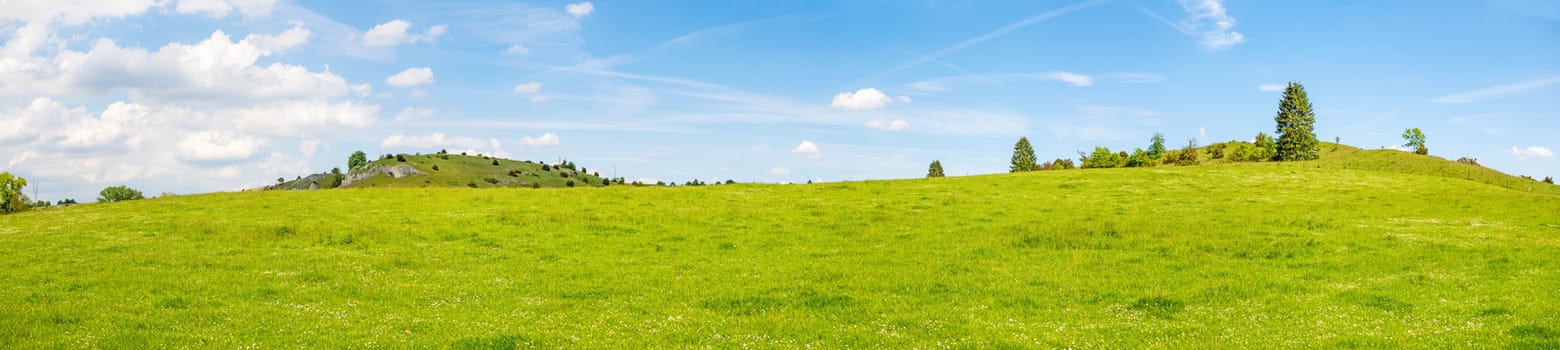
(1023, 157)
(936, 170)
(1296, 126)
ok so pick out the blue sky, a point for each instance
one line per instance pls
(190, 96)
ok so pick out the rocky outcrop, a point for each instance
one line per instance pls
(371, 170)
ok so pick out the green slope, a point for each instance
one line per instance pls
(455, 170)
(1251, 255)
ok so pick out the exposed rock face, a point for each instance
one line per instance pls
(371, 170)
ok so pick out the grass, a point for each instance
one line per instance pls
(477, 171)
(1248, 255)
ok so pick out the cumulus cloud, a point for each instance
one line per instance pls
(779, 171)
(217, 147)
(528, 88)
(863, 99)
(807, 148)
(1532, 152)
(580, 9)
(411, 77)
(1270, 87)
(215, 71)
(895, 125)
(74, 12)
(304, 118)
(546, 139)
(395, 32)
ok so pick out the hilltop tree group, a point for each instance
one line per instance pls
(119, 194)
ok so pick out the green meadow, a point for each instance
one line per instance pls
(1361, 249)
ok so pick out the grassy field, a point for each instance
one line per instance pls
(1241, 255)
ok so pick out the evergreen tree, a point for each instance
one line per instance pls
(1156, 146)
(1416, 139)
(1023, 157)
(936, 170)
(1296, 126)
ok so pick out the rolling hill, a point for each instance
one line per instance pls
(1360, 249)
(450, 170)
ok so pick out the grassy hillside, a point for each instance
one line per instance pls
(1250, 255)
(455, 170)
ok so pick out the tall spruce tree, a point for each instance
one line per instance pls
(1296, 126)
(935, 170)
(1023, 157)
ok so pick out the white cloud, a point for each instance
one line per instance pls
(432, 141)
(395, 32)
(903, 99)
(221, 8)
(303, 118)
(308, 147)
(1202, 134)
(580, 9)
(1073, 79)
(1532, 152)
(1496, 91)
(864, 99)
(362, 90)
(1270, 87)
(216, 71)
(411, 77)
(297, 36)
(807, 148)
(517, 50)
(1211, 23)
(411, 113)
(74, 12)
(217, 147)
(779, 171)
(546, 139)
(895, 125)
(528, 88)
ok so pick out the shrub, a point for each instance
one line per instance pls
(570, 183)
(1469, 161)
(1063, 164)
(119, 194)
(472, 184)
(435, 167)
(605, 182)
(546, 167)
(563, 174)
(1216, 151)
(1268, 146)
(1101, 158)
(490, 180)
(1549, 180)
(1140, 158)
(400, 158)
(495, 162)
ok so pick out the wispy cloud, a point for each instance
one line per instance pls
(943, 84)
(1207, 20)
(1496, 91)
(999, 32)
(1270, 87)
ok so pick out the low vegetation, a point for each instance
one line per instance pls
(1360, 248)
